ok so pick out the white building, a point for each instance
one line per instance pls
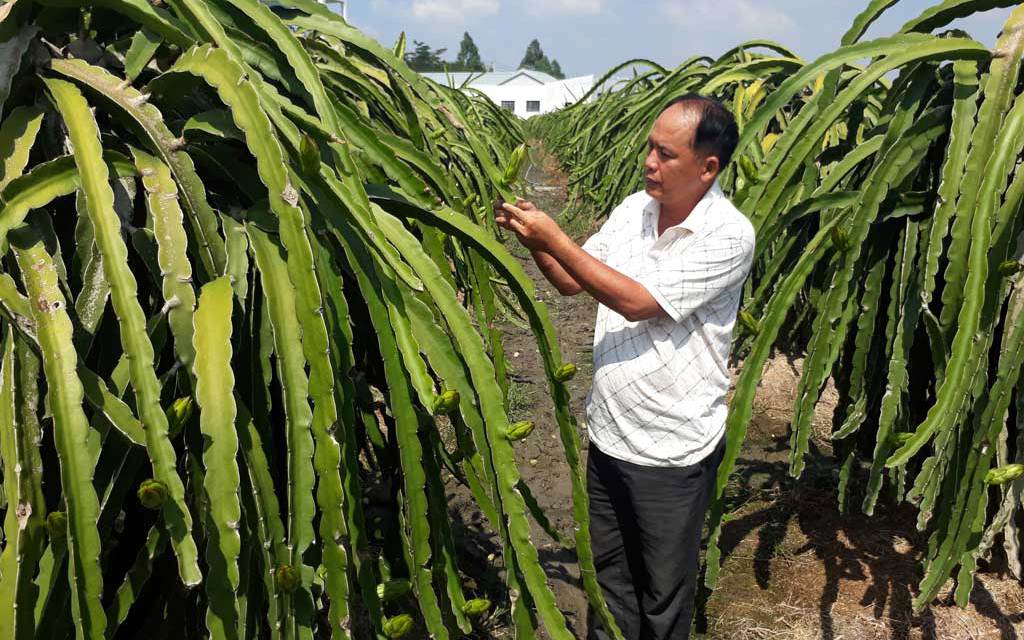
(524, 92)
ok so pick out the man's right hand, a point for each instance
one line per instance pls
(535, 229)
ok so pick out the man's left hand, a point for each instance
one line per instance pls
(534, 228)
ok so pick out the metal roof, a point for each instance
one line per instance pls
(457, 79)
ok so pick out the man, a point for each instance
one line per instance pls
(668, 268)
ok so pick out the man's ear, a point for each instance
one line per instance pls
(710, 170)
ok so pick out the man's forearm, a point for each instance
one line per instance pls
(555, 274)
(571, 269)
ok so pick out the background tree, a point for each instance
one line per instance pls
(534, 58)
(469, 56)
(423, 58)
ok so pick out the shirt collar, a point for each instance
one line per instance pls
(698, 215)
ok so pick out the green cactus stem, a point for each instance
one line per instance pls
(1002, 475)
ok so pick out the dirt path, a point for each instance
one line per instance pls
(794, 567)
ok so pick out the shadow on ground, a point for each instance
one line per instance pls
(792, 559)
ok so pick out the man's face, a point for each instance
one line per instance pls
(674, 171)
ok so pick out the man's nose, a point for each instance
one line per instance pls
(651, 161)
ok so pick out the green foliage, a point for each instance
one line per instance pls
(883, 184)
(227, 227)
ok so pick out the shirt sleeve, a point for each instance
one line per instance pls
(700, 275)
(599, 245)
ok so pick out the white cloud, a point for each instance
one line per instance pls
(449, 11)
(565, 7)
(748, 16)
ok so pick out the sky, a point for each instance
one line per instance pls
(590, 36)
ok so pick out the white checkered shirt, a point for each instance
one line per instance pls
(658, 397)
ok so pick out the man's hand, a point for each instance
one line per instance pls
(571, 269)
(534, 228)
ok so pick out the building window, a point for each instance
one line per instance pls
(533, 106)
(509, 105)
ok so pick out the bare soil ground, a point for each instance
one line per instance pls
(794, 567)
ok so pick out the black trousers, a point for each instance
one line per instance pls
(645, 527)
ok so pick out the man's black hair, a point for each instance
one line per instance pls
(717, 133)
